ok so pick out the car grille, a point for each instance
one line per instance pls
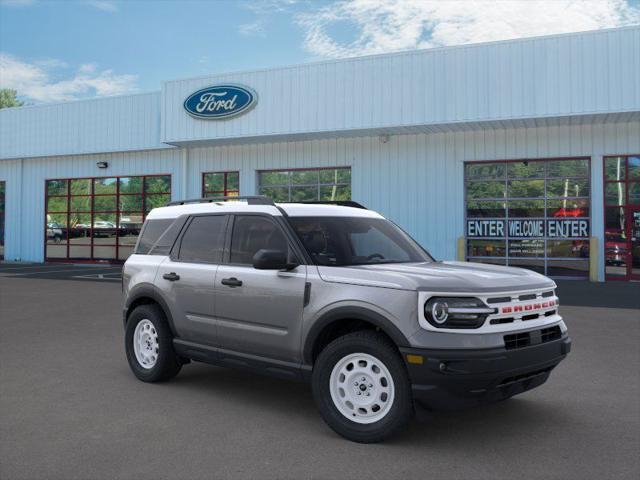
(535, 337)
(523, 307)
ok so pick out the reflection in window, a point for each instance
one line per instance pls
(100, 218)
(615, 168)
(221, 184)
(573, 207)
(568, 187)
(486, 209)
(614, 193)
(526, 169)
(328, 184)
(529, 193)
(486, 248)
(633, 168)
(526, 208)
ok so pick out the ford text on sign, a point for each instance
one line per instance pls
(220, 101)
(534, 228)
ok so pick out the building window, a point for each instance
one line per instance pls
(531, 213)
(100, 218)
(622, 217)
(220, 184)
(2, 210)
(306, 185)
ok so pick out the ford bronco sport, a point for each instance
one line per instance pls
(338, 296)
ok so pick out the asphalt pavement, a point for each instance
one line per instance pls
(71, 409)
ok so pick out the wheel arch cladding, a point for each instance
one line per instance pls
(345, 320)
(147, 295)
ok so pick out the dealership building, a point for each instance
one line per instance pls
(522, 152)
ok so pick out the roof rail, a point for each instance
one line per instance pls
(341, 203)
(251, 200)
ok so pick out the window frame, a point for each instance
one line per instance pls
(293, 242)
(226, 192)
(627, 207)
(174, 254)
(506, 178)
(91, 212)
(289, 185)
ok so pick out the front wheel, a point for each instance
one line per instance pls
(149, 345)
(362, 388)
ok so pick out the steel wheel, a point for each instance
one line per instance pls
(145, 344)
(362, 388)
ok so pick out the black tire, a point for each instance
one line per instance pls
(379, 346)
(168, 364)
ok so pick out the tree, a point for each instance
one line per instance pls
(8, 98)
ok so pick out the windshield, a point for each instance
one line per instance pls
(346, 241)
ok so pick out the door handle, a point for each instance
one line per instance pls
(231, 282)
(172, 277)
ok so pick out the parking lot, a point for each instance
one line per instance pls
(71, 409)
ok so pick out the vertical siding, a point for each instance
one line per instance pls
(25, 202)
(416, 180)
(556, 76)
(11, 173)
(89, 126)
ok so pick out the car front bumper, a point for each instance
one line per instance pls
(457, 378)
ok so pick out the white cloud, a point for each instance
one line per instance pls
(389, 25)
(252, 29)
(104, 5)
(269, 6)
(36, 81)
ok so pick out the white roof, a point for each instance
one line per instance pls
(292, 209)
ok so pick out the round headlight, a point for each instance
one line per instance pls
(456, 312)
(440, 312)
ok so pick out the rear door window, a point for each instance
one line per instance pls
(203, 241)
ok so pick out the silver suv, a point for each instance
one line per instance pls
(336, 295)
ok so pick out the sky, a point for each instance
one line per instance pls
(59, 50)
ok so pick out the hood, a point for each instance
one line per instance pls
(439, 277)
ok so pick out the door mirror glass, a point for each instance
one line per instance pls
(271, 260)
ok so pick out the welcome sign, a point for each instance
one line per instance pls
(528, 228)
(220, 101)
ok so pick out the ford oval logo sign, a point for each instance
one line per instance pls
(220, 101)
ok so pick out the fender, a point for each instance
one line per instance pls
(355, 313)
(148, 290)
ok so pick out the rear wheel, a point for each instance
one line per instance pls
(362, 388)
(149, 345)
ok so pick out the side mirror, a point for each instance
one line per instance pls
(272, 260)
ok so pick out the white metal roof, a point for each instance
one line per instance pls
(292, 209)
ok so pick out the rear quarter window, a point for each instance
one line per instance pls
(151, 232)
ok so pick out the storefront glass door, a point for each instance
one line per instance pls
(622, 217)
(635, 242)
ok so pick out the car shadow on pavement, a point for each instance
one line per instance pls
(515, 419)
